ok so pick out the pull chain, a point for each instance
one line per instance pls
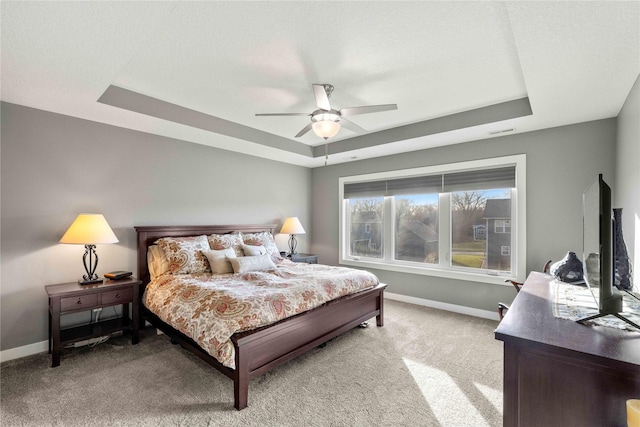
(326, 153)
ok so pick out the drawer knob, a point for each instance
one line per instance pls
(117, 296)
(79, 301)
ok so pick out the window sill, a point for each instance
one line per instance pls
(436, 272)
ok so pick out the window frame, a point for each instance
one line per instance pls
(504, 224)
(518, 222)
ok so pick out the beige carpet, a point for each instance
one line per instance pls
(425, 367)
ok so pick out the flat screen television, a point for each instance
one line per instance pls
(598, 251)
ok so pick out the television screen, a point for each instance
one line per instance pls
(598, 246)
(591, 236)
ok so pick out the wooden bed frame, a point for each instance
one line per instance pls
(260, 350)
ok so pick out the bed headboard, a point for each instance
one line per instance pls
(147, 235)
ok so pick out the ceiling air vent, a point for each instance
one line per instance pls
(498, 132)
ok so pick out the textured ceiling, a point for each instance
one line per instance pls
(199, 71)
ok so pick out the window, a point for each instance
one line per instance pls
(463, 220)
(503, 226)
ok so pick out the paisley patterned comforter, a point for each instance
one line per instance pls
(210, 308)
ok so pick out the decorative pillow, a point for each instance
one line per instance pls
(250, 250)
(157, 261)
(252, 263)
(219, 242)
(184, 254)
(262, 239)
(218, 260)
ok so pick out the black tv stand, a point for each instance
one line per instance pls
(618, 315)
(632, 294)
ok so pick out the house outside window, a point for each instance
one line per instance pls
(497, 216)
(479, 232)
(463, 220)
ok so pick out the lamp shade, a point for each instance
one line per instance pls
(89, 229)
(292, 226)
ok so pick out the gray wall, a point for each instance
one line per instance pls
(626, 191)
(561, 163)
(54, 167)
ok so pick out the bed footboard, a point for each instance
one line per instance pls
(263, 349)
(259, 351)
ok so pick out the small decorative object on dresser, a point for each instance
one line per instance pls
(568, 269)
(622, 266)
(308, 258)
(89, 230)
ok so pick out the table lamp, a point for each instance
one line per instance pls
(89, 230)
(292, 227)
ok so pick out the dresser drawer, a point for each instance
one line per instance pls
(119, 296)
(81, 302)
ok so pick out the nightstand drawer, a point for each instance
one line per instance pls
(119, 296)
(81, 302)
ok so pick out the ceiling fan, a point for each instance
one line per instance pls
(325, 121)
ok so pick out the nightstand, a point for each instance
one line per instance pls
(308, 258)
(71, 297)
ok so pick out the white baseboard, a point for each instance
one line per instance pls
(469, 311)
(25, 350)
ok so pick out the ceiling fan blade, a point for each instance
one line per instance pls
(351, 126)
(304, 130)
(283, 114)
(352, 111)
(322, 99)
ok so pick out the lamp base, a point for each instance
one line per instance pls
(90, 282)
(292, 245)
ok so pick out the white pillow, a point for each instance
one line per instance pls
(250, 250)
(219, 260)
(252, 263)
(156, 261)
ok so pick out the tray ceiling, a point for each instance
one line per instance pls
(199, 71)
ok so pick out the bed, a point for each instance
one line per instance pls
(259, 350)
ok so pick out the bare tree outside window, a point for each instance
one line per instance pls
(416, 234)
(366, 226)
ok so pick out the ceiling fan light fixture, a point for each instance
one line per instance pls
(325, 121)
(325, 124)
(326, 128)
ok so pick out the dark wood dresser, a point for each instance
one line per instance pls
(560, 373)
